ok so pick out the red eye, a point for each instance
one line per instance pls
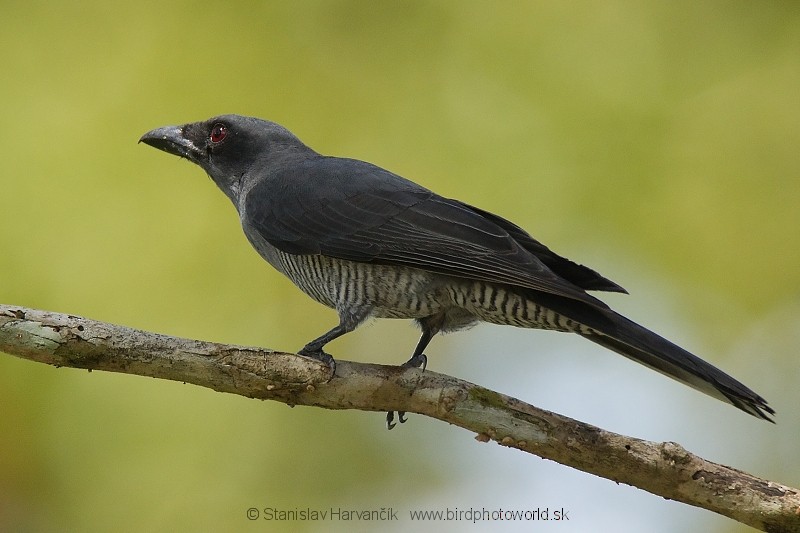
(218, 132)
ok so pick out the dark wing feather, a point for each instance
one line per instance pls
(352, 210)
(583, 277)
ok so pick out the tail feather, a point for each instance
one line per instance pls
(643, 346)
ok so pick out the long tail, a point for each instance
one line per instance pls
(643, 346)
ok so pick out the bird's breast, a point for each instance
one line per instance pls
(389, 291)
(393, 291)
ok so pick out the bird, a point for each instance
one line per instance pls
(372, 244)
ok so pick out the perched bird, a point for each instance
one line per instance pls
(369, 243)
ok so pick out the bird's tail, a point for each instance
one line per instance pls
(643, 346)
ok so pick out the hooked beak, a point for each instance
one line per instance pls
(171, 140)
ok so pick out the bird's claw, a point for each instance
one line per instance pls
(319, 355)
(416, 361)
(401, 417)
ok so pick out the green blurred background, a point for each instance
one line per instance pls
(657, 142)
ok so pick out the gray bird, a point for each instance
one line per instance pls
(369, 243)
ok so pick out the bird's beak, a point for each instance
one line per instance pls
(171, 140)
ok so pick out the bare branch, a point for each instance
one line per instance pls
(664, 469)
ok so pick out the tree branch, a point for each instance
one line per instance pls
(664, 469)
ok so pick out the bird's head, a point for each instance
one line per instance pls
(230, 148)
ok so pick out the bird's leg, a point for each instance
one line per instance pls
(418, 360)
(347, 323)
(314, 348)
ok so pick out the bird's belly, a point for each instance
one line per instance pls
(391, 291)
(388, 291)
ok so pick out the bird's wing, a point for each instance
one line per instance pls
(352, 210)
(582, 276)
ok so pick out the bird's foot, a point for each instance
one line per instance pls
(416, 361)
(401, 416)
(319, 355)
